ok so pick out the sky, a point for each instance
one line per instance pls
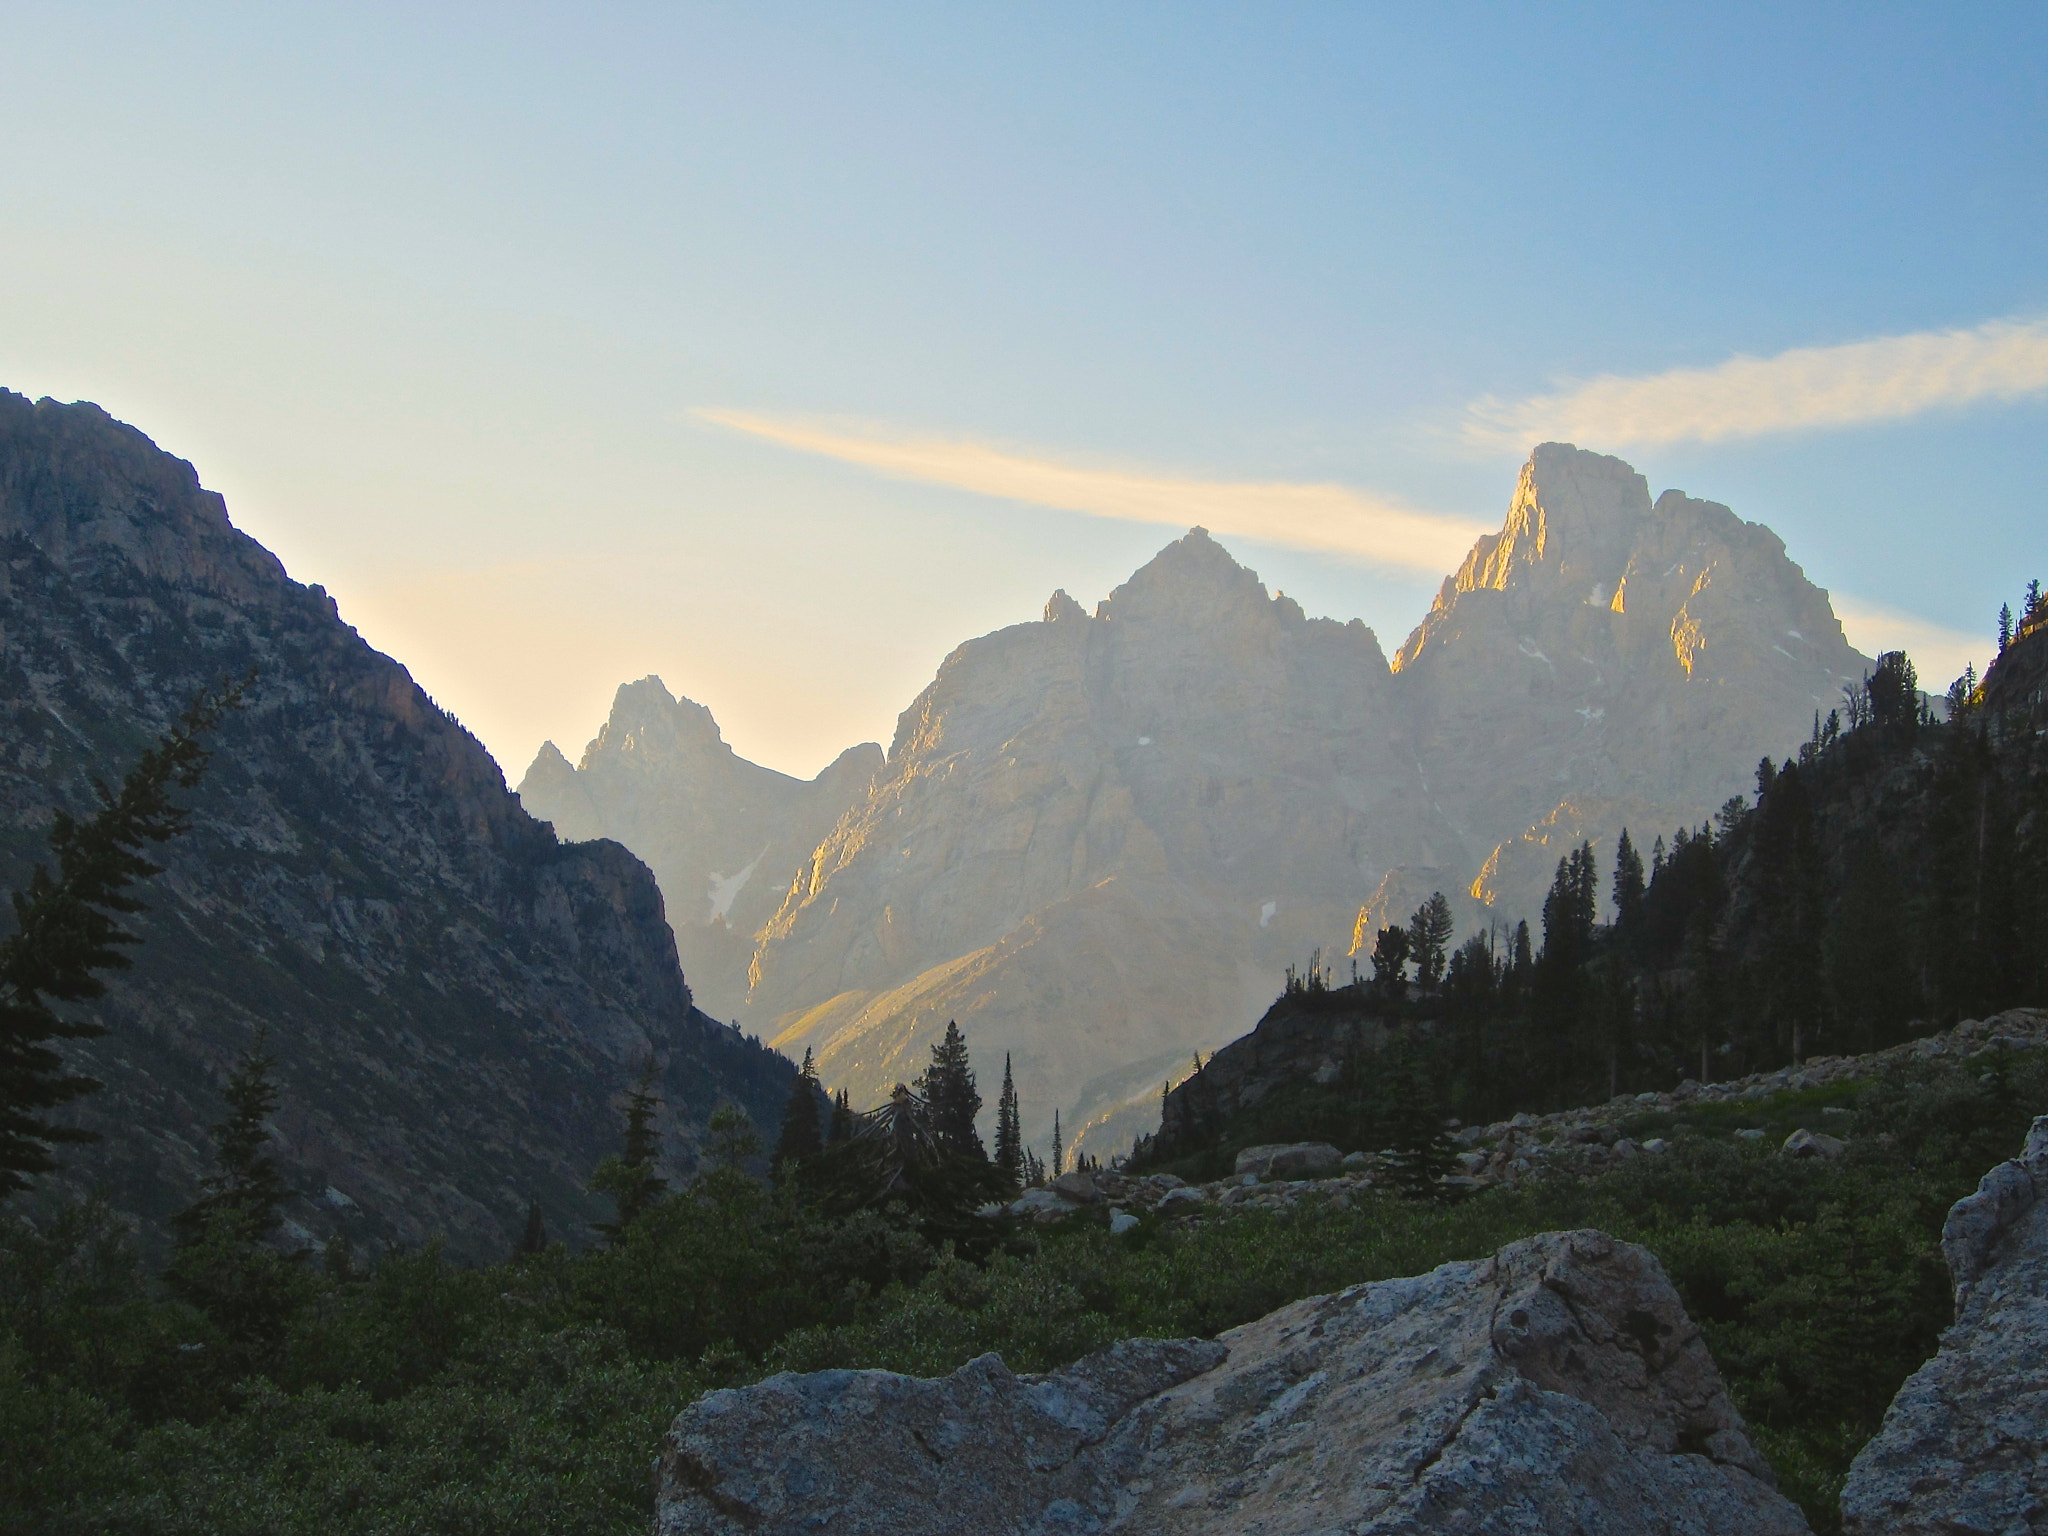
(779, 349)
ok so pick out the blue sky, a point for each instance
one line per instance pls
(522, 328)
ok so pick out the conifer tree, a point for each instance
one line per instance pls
(1009, 1131)
(948, 1087)
(244, 1189)
(535, 1238)
(2004, 627)
(799, 1139)
(628, 1175)
(1059, 1155)
(67, 929)
(1429, 935)
(842, 1118)
(219, 1261)
(1418, 1152)
(1629, 887)
(1389, 962)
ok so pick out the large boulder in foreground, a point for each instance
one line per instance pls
(1557, 1386)
(1964, 1446)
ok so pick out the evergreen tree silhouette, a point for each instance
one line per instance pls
(948, 1088)
(1429, 936)
(799, 1139)
(628, 1175)
(220, 1262)
(1629, 886)
(1009, 1131)
(535, 1238)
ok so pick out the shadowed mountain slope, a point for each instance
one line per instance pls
(455, 999)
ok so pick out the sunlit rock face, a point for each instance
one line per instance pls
(1099, 841)
(723, 836)
(1600, 650)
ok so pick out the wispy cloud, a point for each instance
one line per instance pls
(1330, 518)
(1939, 653)
(1809, 387)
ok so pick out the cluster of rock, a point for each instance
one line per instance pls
(1265, 1177)
(1557, 1386)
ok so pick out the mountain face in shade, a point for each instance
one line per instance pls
(1099, 841)
(723, 836)
(455, 999)
(1606, 661)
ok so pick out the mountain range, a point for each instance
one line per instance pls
(1098, 839)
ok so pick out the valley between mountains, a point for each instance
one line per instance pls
(1100, 838)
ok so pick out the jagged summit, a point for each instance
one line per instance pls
(647, 718)
(1192, 573)
(723, 835)
(1602, 652)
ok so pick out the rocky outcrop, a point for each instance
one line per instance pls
(1633, 659)
(454, 998)
(725, 837)
(1964, 1446)
(1557, 1386)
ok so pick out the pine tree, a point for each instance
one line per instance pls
(244, 1190)
(948, 1087)
(1629, 887)
(628, 1175)
(219, 1262)
(2004, 627)
(68, 929)
(799, 1139)
(1389, 962)
(535, 1237)
(1059, 1155)
(1418, 1152)
(1009, 1131)
(842, 1119)
(1429, 934)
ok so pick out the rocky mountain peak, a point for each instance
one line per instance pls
(1193, 579)
(1571, 523)
(648, 720)
(1060, 607)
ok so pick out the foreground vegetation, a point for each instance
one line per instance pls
(299, 1395)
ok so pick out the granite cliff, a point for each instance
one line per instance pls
(455, 998)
